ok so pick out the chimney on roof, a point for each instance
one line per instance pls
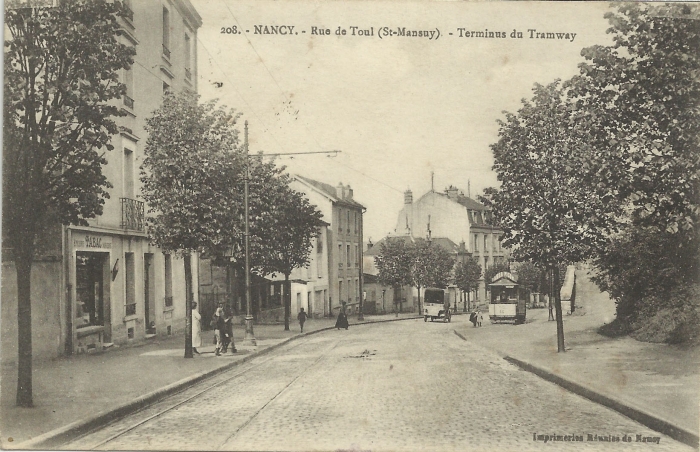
(370, 245)
(340, 191)
(452, 192)
(408, 197)
(348, 193)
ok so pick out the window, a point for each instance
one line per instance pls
(89, 279)
(349, 291)
(166, 33)
(168, 280)
(128, 98)
(319, 244)
(340, 290)
(166, 88)
(340, 220)
(357, 256)
(485, 243)
(130, 294)
(347, 256)
(340, 256)
(188, 58)
(128, 173)
(348, 221)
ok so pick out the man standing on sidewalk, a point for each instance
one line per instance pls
(302, 318)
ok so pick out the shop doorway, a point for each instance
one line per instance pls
(149, 297)
(92, 291)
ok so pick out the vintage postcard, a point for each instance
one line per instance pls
(350, 226)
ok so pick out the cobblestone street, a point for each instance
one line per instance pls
(397, 386)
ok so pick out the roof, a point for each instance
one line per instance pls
(466, 201)
(329, 191)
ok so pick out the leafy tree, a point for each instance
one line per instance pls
(431, 266)
(493, 270)
(529, 276)
(61, 71)
(188, 179)
(638, 100)
(467, 275)
(543, 206)
(394, 265)
(295, 223)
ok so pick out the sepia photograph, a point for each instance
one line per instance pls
(295, 225)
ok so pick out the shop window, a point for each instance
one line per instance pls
(89, 288)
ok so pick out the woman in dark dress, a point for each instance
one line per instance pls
(342, 321)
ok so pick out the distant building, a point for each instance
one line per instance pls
(105, 283)
(343, 253)
(457, 217)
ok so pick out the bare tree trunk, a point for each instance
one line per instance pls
(23, 266)
(189, 295)
(557, 308)
(287, 300)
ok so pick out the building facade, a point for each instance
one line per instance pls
(344, 249)
(457, 217)
(105, 283)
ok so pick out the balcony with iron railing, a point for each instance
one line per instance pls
(166, 52)
(188, 73)
(128, 101)
(133, 214)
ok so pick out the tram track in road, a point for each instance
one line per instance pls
(154, 411)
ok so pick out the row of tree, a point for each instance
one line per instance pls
(193, 180)
(62, 69)
(423, 264)
(606, 166)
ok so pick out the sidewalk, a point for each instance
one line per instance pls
(659, 381)
(72, 390)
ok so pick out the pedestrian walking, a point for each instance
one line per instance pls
(302, 318)
(342, 321)
(196, 328)
(472, 318)
(219, 323)
(481, 317)
(228, 337)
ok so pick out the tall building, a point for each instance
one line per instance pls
(344, 240)
(104, 283)
(453, 215)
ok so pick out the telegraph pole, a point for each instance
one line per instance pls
(249, 336)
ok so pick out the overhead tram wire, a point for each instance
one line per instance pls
(268, 71)
(266, 129)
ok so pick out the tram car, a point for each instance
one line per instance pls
(436, 305)
(508, 303)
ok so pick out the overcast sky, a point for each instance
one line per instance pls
(397, 107)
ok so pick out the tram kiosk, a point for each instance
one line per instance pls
(507, 302)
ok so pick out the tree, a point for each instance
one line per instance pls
(189, 172)
(529, 276)
(493, 270)
(61, 71)
(295, 223)
(394, 265)
(431, 266)
(638, 100)
(467, 275)
(547, 213)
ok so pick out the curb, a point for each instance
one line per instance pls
(648, 420)
(61, 435)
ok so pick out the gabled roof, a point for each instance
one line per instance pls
(329, 191)
(467, 202)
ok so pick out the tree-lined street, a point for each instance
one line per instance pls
(369, 388)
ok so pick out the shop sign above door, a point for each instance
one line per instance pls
(93, 242)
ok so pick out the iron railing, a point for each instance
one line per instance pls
(128, 101)
(188, 73)
(133, 213)
(166, 52)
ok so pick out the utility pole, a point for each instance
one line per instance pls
(249, 336)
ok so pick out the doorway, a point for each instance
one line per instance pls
(92, 291)
(149, 298)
